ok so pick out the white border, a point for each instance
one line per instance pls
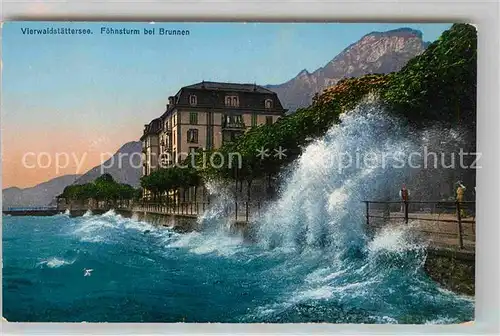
(484, 14)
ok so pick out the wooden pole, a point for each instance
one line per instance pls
(459, 222)
(367, 214)
(406, 212)
(236, 210)
(246, 211)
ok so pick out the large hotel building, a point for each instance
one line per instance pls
(205, 116)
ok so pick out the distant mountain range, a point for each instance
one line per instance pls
(376, 52)
(44, 193)
(39, 195)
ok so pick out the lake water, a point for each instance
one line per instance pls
(162, 276)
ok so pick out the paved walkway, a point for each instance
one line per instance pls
(440, 229)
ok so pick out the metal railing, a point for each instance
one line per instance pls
(234, 125)
(459, 216)
(239, 211)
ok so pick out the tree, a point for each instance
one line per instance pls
(439, 84)
(104, 188)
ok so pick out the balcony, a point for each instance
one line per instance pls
(233, 126)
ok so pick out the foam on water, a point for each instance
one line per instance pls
(55, 262)
(87, 213)
(321, 202)
(202, 243)
(320, 208)
(214, 218)
(108, 227)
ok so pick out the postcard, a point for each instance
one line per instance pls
(239, 172)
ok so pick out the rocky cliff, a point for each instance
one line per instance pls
(376, 52)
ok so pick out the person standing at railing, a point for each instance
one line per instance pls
(460, 198)
(404, 194)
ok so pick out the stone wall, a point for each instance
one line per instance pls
(454, 270)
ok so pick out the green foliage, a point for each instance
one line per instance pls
(440, 84)
(168, 179)
(106, 177)
(103, 188)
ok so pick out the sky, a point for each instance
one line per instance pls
(85, 95)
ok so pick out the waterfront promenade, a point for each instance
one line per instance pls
(445, 224)
(437, 222)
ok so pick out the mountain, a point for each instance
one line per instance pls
(376, 52)
(43, 194)
(40, 195)
(127, 170)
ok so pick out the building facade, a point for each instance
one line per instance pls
(205, 116)
(151, 146)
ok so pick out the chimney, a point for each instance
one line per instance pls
(203, 84)
(171, 100)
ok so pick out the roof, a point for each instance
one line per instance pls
(153, 127)
(229, 87)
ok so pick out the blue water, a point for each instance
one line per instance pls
(311, 262)
(162, 276)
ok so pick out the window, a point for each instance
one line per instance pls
(167, 125)
(254, 119)
(232, 101)
(192, 136)
(192, 149)
(193, 100)
(193, 118)
(232, 120)
(269, 120)
(238, 119)
(269, 103)
(173, 139)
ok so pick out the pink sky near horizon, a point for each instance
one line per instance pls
(85, 150)
(76, 132)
